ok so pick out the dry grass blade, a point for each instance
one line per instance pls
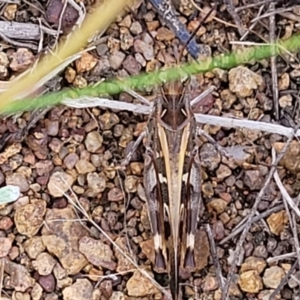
(73, 44)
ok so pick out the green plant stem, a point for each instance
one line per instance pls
(113, 87)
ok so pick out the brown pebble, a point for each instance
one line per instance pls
(5, 223)
(47, 283)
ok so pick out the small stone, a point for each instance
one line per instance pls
(5, 246)
(228, 98)
(47, 283)
(126, 39)
(83, 167)
(34, 246)
(85, 63)
(123, 263)
(61, 238)
(253, 263)
(217, 204)
(291, 158)
(277, 222)
(116, 59)
(70, 160)
(10, 151)
(285, 101)
(93, 141)
(97, 253)
(70, 74)
(253, 179)
(284, 82)
(273, 276)
(131, 65)
(222, 172)
(10, 11)
(59, 183)
(147, 248)
(29, 218)
(115, 194)
(36, 292)
(52, 127)
(80, 82)
(140, 286)
(44, 167)
(136, 28)
(82, 289)
(106, 288)
(96, 183)
(18, 179)
(44, 263)
(250, 282)
(21, 60)
(6, 223)
(209, 157)
(210, 284)
(126, 22)
(242, 81)
(146, 49)
(20, 279)
(108, 120)
(164, 34)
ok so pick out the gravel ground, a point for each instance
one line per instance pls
(62, 238)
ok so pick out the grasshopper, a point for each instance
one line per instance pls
(172, 182)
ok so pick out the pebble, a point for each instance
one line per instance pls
(29, 218)
(83, 167)
(253, 263)
(273, 276)
(19, 180)
(140, 286)
(285, 101)
(108, 120)
(6, 223)
(218, 205)
(20, 279)
(36, 292)
(116, 59)
(82, 289)
(250, 282)
(5, 246)
(136, 28)
(164, 34)
(97, 253)
(85, 63)
(277, 222)
(59, 183)
(93, 141)
(131, 65)
(21, 60)
(96, 183)
(52, 127)
(70, 160)
(146, 49)
(44, 263)
(253, 180)
(242, 81)
(47, 283)
(34, 246)
(60, 240)
(284, 81)
(44, 167)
